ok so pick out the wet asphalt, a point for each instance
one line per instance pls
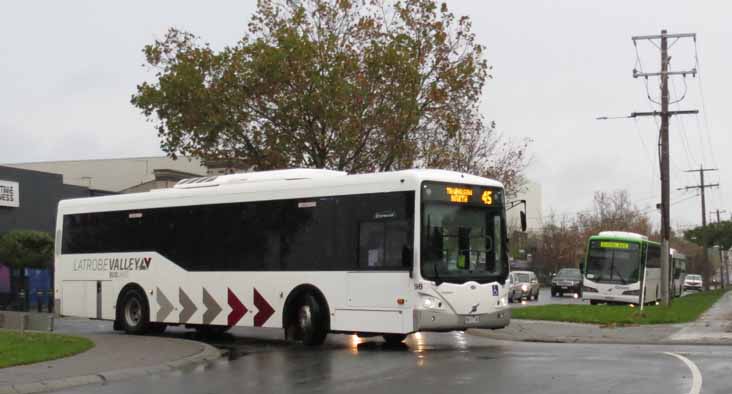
(259, 361)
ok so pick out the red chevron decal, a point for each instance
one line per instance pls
(265, 309)
(238, 310)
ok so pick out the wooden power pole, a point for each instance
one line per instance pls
(665, 115)
(719, 212)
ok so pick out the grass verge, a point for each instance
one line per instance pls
(27, 348)
(682, 310)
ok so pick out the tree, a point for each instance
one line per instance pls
(26, 249)
(712, 234)
(613, 211)
(560, 245)
(349, 85)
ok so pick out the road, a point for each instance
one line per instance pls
(260, 362)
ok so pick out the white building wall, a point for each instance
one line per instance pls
(113, 174)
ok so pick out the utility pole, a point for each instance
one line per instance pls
(722, 262)
(719, 218)
(665, 114)
(702, 187)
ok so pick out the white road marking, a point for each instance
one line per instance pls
(696, 377)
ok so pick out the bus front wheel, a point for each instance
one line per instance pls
(309, 324)
(135, 312)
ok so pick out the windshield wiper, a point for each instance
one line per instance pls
(437, 274)
(615, 270)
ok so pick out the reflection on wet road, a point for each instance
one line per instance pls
(260, 362)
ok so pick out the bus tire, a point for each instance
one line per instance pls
(310, 321)
(135, 313)
(394, 339)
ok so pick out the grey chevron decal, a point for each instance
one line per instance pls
(212, 308)
(164, 306)
(189, 308)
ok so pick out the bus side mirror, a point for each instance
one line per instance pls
(523, 221)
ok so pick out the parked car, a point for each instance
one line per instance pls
(693, 282)
(567, 280)
(524, 286)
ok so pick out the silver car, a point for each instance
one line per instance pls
(693, 282)
(524, 286)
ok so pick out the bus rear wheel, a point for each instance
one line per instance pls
(135, 312)
(309, 324)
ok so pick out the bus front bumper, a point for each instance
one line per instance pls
(429, 320)
(629, 299)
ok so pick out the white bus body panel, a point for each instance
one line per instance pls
(613, 292)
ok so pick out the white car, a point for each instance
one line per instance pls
(693, 282)
(524, 286)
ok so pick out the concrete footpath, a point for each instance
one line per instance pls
(714, 327)
(114, 357)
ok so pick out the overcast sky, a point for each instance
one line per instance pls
(68, 69)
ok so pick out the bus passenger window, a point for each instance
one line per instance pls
(384, 244)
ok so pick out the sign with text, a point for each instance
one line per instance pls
(9, 194)
(473, 195)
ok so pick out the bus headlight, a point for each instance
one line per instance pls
(429, 302)
(587, 289)
(632, 292)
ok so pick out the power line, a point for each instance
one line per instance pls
(704, 105)
(684, 136)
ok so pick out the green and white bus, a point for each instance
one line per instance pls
(615, 266)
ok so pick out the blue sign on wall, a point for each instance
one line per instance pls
(38, 279)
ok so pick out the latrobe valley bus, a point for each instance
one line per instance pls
(310, 251)
(616, 263)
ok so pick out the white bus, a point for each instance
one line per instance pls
(615, 264)
(310, 251)
(678, 262)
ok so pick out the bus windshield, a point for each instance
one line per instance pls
(461, 243)
(613, 262)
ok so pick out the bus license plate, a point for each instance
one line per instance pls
(472, 319)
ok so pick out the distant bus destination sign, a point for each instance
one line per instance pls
(614, 245)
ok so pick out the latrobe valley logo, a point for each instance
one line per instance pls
(113, 264)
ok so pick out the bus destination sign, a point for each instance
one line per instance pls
(459, 194)
(614, 245)
(462, 194)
